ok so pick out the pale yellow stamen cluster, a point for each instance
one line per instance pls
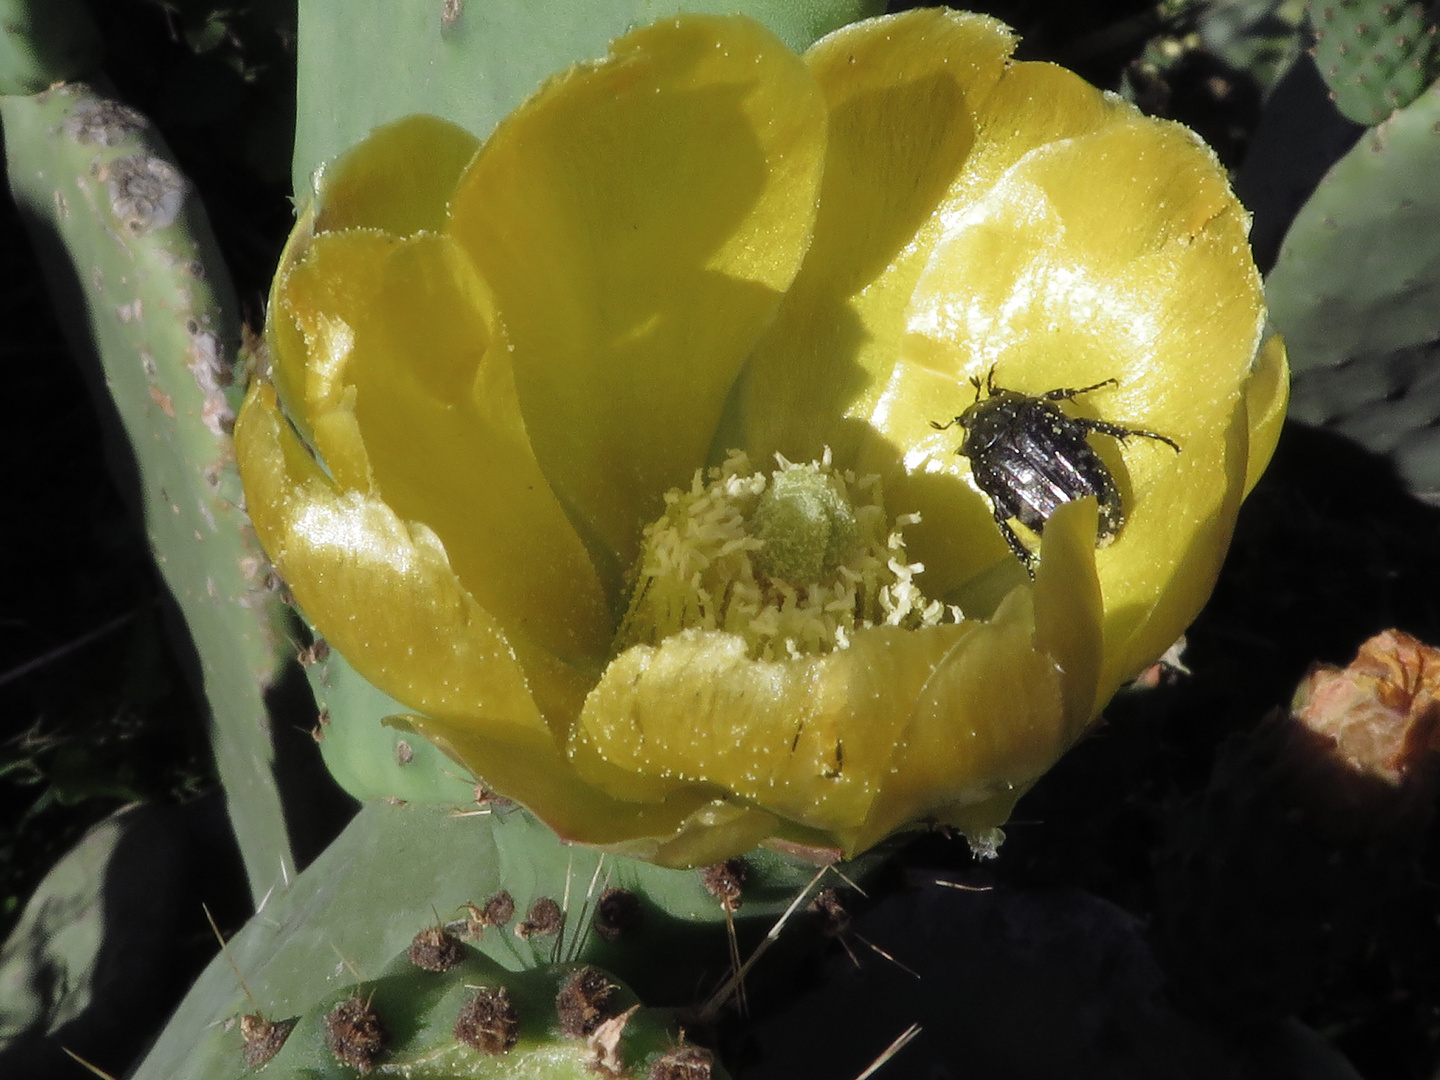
(718, 559)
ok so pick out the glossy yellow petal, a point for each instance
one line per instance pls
(1267, 396)
(808, 739)
(380, 588)
(1251, 437)
(286, 351)
(1070, 610)
(1140, 273)
(639, 219)
(399, 180)
(1150, 600)
(337, 275)
(436, 404)
(528, 768)
(1009, 698)
(715, 833)
(1033, 105)
(507, 359)
(409, 392)
(385, 596)
(904, 95)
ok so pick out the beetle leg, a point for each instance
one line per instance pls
(1104, 427)
(948, 424)
(1021, 551)
(1066, 395)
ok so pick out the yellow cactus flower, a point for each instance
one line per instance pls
(608, 447)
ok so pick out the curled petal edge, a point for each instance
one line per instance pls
(383, 592)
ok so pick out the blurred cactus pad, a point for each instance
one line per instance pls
(1375, 57)
(1232, 877)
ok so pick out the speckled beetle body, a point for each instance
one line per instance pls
(1028, 457)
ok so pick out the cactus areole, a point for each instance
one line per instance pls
(604, 446)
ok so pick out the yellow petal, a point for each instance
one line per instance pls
(639, 219)
(436, 404)
(380, 589)
(1267, 396)
(1009, 698)
(528, 768)
(383, 593)
(284, 340)
(1118, 254)
(1069, 610)
(399, 179)
(409, 389)
(715, 832)
(335, 276)
(1149, 604)
(1033, 105)
(808, 739)
(903, 94)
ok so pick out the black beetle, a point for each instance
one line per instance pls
(1029, 458)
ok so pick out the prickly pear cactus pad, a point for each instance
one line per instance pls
(127, 237)
(399, 925)
(1356, 292)
(1375, 55)
(608, 446)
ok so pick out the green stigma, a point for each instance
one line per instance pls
(806, 527)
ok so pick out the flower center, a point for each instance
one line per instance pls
(792, 560)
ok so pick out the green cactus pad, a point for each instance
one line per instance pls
(1356, 292)
(146, 298)
(1375, 55)
(473, 61)
(43, 42)
(399, 869)
(369, 758)
(417, 1011)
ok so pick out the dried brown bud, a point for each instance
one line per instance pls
(354, 1034)
(488, 1022)
(263, 1038)
(1277, 876)
(1383, 711)
(544, 917)
(584, 1002)
(725, 882)
(435, 950)
(499, 909)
